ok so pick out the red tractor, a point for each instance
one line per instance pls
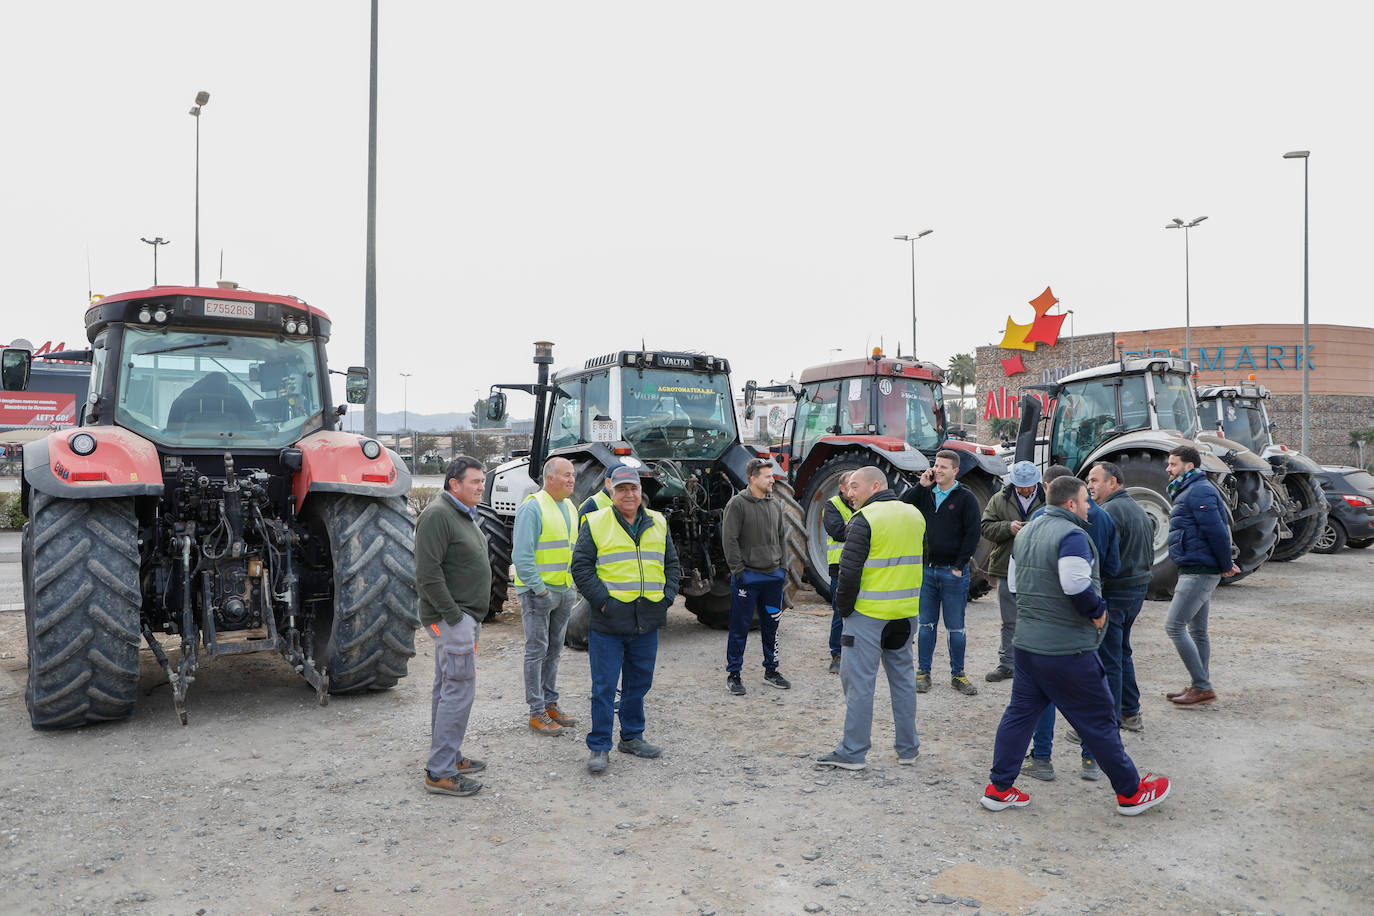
(207, 492)
(882, 411)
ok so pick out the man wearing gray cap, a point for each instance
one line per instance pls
(1005, 515)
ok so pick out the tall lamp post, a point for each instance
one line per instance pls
(202, 99)
(1306, 426)
(911, 242)
(405, 412)
(1187, 298)
(156, 242)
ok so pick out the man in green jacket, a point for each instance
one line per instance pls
(1005, 515)
(453, 582)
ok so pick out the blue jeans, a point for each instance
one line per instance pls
(1187, 625)
(1123, 607)
(1078, 685)
(836, 621)
(941, 588)
(754, 593)
(629, 662)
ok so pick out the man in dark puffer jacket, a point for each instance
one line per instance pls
(1200, 545)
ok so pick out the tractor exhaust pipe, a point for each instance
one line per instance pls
(543, 358)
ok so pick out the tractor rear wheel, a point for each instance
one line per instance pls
(1254, 524)
(371, 633)
(823, 485)
(498, 554)
(82, 600)
(1304, 494)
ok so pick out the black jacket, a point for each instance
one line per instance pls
(1135, 535)
(952, 532)
(856, 540)
(610, 615)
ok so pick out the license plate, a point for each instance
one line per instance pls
(220, 308)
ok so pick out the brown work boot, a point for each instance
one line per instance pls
(556, 714)
(1194, 697)
(1178, 693)
(544, 725)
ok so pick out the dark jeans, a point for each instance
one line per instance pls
(1122, 609)
(942, 589)
(836, 621)
(1076, 684)
(754, 593)
(629, 662)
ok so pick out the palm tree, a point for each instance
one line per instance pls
(963, 371)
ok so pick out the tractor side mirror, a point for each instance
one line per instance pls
(356, 384)
(751, 393)
(14, 369)
(496, 406)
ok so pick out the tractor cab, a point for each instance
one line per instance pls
(1238, 413)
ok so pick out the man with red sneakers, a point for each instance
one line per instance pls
(1060, 620)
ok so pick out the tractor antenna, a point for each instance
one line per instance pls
(90, 290)
(221, 265)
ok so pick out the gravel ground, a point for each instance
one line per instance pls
(269, 803)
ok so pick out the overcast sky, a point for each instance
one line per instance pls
(724, 177)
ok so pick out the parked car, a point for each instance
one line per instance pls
(1350, 523)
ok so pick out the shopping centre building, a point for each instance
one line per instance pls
(1340, 371)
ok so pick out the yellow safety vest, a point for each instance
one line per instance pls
(890, 587)
(629, 570)
(602, 499)
(834, 548)
(553, 552)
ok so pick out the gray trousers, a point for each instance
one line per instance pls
(1187, 625)
(546, 623)
(863, 652)
(455, 685)
(1006, 603)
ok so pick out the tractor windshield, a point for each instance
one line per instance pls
(190, 390)
(912, 410)
(1241, 420)
(1174, 404)
(677, 414)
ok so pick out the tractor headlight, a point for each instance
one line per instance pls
(144, 316)
(290, 325)
(82, 443)
(372, 449)
(160, 315)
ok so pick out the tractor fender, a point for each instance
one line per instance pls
(507, 486)
(123, 464)
(893, 451)
(1237, 457)
(1295, 463)
(975, 462)
(333, 462)
(1148, 440)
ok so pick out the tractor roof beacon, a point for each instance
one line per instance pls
(882, 411)
(1132, 413)
(207, 492)
(669, 414)
(1238, 413)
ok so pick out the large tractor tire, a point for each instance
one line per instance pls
(371, 635)
(713, 607)
(983, 487)
(1304, 494)
(1254, 524)
(824, 484)
(82, 600)
(498, 554)
(1147, 482)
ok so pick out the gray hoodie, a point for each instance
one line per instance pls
(752, 533)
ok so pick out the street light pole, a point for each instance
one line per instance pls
(911, 242)
(156, 242)
(370, 270)
(1306, 424)
(202, 99)
(1072, 335)
(1187, 283)
(405, 410)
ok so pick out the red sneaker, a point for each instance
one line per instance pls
(1010, 797)
(1149, 793)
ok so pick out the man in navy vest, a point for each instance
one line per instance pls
(1060, 618)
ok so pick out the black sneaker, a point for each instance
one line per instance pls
(775, 678)
(735, 685)
(451, 785)
(1000, 673)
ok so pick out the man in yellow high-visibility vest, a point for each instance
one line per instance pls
(838, 510)
(878, 594)
(541, 549)
(625, 566)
